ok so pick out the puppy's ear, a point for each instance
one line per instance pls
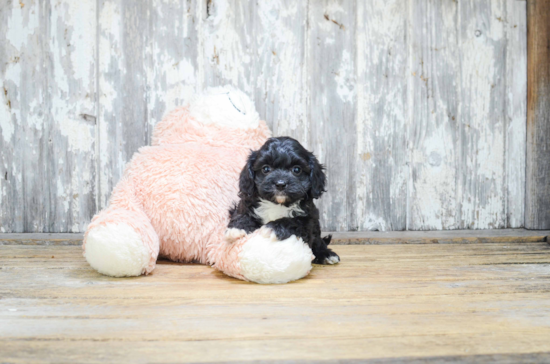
(246, 181)
(317, 177)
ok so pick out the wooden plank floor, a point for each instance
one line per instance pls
(386, 303)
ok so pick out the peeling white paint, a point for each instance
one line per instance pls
(10, 105)
(79, 134)
(62, 194)
(72, 42)
(345, 78)
(435, 204)
(381, 59)
(281, 66)
(22, 24)
(179, 78)
(374, 223)
(83, 41)
(35, 119)
(110, 30)
(6, 123)
(223, 48)
(109, 53)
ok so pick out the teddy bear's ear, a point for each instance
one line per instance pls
(246, 181)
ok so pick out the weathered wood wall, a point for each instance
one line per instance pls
(416, 107)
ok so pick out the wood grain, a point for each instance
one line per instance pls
(481, 189)
(281, 67)
(381, 302)
(516, 104)
(123, 125)
(47, 116)
(172, 50)
(380, 166)
(72, 107)
(467, 160)
(434, 130)
(21, 69)
(332, 93)
(537, 202)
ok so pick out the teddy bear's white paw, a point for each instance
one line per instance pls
(264, 259)
(116, 250)
(233, 234)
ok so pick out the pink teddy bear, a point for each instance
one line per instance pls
(174, 197)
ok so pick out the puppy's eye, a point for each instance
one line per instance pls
(266, 169)
(296, 170)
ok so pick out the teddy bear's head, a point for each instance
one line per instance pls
(225, 106)
(221, 116)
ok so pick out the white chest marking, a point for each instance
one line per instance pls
(268, 211)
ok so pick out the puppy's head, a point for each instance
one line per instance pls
(283, 172)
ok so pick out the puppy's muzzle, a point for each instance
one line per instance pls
(280, 199)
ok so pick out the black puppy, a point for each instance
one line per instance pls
(277, 188)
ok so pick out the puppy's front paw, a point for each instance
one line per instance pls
(333, 259)
(267, 233)
(329, 257)
(233, 234)
(280, 230)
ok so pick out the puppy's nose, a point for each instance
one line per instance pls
(280, 185)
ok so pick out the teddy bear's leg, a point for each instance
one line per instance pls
(261, 258)
(121, 243)
(120, 240)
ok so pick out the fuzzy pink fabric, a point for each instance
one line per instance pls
(176, 193)
(226, 256)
